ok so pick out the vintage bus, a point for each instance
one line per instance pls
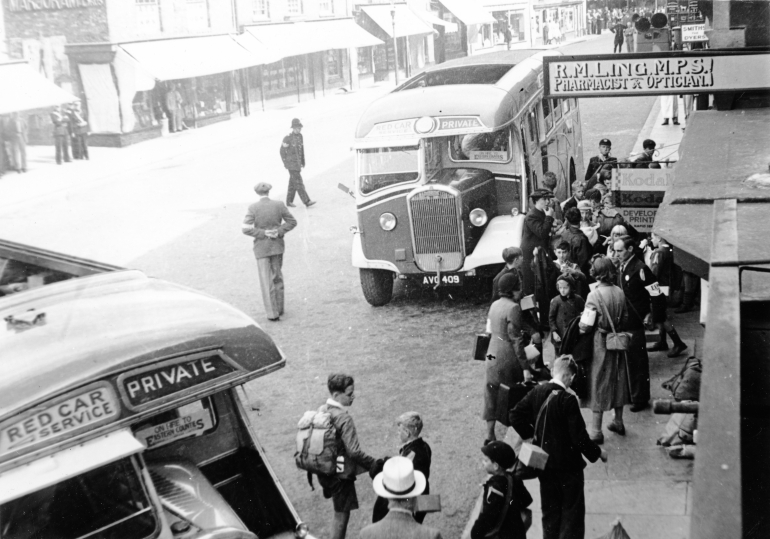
(120, 416)
(444, 166)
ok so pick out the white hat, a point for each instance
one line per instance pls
(398, 480)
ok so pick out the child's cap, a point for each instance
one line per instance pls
(500, 453)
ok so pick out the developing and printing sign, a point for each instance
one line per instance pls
(661, 73)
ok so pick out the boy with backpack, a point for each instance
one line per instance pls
(337, 466)
(505, 496)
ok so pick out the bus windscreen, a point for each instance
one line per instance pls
(382, 167)
(476, 74)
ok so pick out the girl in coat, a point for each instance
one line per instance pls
(564, 308)
(607, 372)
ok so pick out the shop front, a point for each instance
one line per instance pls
(478, 28)
(511, 15)
(555, 22)
(135, 91)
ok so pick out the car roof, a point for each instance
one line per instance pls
(95, 327)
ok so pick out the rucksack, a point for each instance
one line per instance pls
(685, 386)
(317, 445)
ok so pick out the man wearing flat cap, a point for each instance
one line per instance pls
(267, 221)
(596, 162)
(293, 157)
(399, 483)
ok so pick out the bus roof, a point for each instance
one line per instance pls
(495, 98)
(61, 336)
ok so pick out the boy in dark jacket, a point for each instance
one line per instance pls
(564, 308)
(501, 509)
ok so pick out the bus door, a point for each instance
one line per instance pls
(532, 148)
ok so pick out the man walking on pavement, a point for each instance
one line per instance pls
(293, 157)
(562, 434)
(61, 135)
(598, 161)
(267, 221)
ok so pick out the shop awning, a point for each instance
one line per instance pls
(183, 58)
(430, 18)
(293, 39)
(724, 155)
(407, 23)
(21, 88)
(468, 12)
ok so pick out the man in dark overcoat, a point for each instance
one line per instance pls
(536, 233)
(561, 432)
(598, 161)
(633, 277)
(293, 157)
(267, 221)
(645, 159)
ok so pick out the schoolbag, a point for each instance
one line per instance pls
(316, 444)
(685, 386)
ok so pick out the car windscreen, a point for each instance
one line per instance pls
(106, 503)
(382, 167)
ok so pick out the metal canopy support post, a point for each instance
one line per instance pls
(395, 38)
(717, 500)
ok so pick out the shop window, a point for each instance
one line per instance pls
(143, 110)
(197, 15)
(206, 96)
(259, 9)
(283, 77)
(365, 63)
(148, 16)
(294, 7)
(326, 7)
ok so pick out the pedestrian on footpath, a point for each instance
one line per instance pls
(629, 35)
(267, 221)
(635, 279)
(17, 138)
(564, 308)
(670, 107)
(61, 135)
(414, 448)
(504, 496)
(537, 233)
(604, 158)
(174, 106)
(341, 488)
(399, 483)
(293, 157)
(618, 30)
(662, 265)
(79, 132)
(562, 434)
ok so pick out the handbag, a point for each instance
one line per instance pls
(481, 346)
(616, 341)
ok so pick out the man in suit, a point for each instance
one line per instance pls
(399, 483)
(293, 157)
(562, 434)
(267, 221)
(604, 157)
(634, 277)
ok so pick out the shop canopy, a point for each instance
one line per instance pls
(724, 155)
(468, 12)
(183, 58)
(295, 38)
(431, 18)
(407, 23)
(21, 88)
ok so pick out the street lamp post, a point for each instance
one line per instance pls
(395, 39)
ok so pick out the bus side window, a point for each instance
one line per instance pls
(556, 110)
(541, 127)
(546, 106)
(565, 105)
(532, 121)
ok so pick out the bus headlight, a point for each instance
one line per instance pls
(387, 221)
(301, 531)
(478, 217)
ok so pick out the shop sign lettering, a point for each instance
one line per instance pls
(393, 129)
(39, 5)
(642, 179)
(462, 123)
(694, 32)
(641, 219)
(88, 408)
(655, 74)
(149, 384)
(187, 426)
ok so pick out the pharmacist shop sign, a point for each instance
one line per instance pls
(75, 412)
(660, 73)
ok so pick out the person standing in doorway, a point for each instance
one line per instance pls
(174, 106)
(17, 137)
(61, 135)
(267, 221)
(293, 157)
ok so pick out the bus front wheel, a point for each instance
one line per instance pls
(377, 286)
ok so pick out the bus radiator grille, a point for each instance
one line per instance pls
(436, 229)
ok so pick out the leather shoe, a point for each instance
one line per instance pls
(659, 346)
(598, 439)
(677, 349)
(290, 205)
(310, 203)
(665, 122)
(617, 428)
(640, 406)
(277, 319)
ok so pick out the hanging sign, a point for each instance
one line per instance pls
(661, 73)
(694, 32)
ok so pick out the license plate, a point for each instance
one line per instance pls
(449, 279)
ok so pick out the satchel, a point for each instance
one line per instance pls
(481, 346)
(616, 341)
(521, 470)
